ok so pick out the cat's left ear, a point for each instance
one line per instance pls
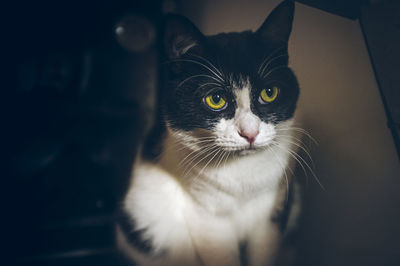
(278, 25)
(180, 36)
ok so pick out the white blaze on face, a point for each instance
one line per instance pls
(247, 123)
(245, 129)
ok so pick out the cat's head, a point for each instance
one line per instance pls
(231, 90)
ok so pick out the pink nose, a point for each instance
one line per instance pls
(250, 136)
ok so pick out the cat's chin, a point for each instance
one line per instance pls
(243, 151)
(247, 152)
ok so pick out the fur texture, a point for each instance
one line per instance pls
(212, 194)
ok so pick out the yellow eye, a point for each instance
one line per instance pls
(215, 101)
(268, 95)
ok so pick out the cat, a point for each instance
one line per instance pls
(211, 184)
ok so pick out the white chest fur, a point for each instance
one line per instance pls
(202, 217)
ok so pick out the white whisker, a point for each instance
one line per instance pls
(220, 158)
(197, 76)
(208, 62)
(203, 65)
(269, 62)
(196, 155)
(297, 144)
(297, 157)
(274, 69)
(284, 171)
(202, 159)
(205, 166)
(301, 130)
(268, 57)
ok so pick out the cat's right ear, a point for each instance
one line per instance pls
(278, 25)
(180, 36)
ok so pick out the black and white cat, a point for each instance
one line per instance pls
(218, 190)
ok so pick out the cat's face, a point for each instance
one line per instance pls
(233, 90)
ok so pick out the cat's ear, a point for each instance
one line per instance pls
(180, 36)
(278, 25)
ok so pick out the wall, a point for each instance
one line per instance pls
(355, 220)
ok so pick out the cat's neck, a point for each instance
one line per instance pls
(241, 177)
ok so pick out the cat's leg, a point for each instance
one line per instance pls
(216, 248)
(180, 250)
(154, 232)
(263, 244)
(215, 241)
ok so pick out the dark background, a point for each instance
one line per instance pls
(75, 103)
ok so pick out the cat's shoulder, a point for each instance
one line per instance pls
(152, 179)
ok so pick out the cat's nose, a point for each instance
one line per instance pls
(249, 135)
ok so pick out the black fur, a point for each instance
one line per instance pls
(281, 217)
(243, 254)
(233, 56)
(236, 56)
(133, 235)
(153, 143)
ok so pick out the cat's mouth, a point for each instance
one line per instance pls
(242, 150)
(247, 151)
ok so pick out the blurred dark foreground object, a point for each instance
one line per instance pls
(78, 97)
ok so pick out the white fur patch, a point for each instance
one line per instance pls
(201, 217)
(200, 200)
(228, 132)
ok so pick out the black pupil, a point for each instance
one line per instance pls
(270, 92)
(216, 98)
